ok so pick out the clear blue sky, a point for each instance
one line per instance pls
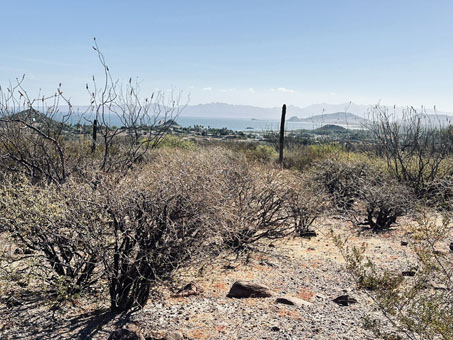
(242, 52)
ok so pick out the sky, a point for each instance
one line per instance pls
(261, 53)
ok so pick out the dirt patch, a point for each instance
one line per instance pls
(310, 269)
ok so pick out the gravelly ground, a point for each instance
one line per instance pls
(309, 269)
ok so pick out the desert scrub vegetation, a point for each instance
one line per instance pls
(120, 210)
(127, 232)
(58, 225)
(416, 152)
(43, 143)
(124, 208)
(262, 201)
(418, 306)
(363, 191)
(301, 157)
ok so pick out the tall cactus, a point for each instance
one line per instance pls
(282, 135)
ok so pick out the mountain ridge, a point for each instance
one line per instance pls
(224, 110)
(341, 118)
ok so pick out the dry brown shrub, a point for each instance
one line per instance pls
(364, 193)
(308, 202)
(136, 230)
(263, 202)
(162, 217)
(60, 226)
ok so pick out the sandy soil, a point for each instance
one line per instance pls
(310, 269)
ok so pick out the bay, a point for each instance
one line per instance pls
(237, 124)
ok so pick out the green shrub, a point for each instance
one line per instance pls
(262, 153)
(174, 142)
(303, 157)
(254, 151)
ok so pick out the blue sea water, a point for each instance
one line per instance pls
(237, 124)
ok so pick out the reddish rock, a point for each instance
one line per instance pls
(248, 289)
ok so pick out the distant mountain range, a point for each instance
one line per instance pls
(339, 114)
(222, 110)
(337, 118)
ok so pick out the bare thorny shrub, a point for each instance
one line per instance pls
(162, 218)
(38, 140)
(364, 194)
(306, 204)
(340, 180)
(262, 202)
(32, 138)
(144, 121)
(441, 193)
(59, 226)
(134, 231)
(256, 207)
(383, 200)
(131, 231)
(418, 307)
(415, 146)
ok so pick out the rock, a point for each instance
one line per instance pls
(188, 290)
(321, 296)
(404, 243)
(229, 267)
(267, 263)
(308, 234)
(125, 334)
(344, 300)
(18, 251)
(408, 273)
(155, 335)
(23, 251)
(438, 286)
(246, 289)
(292, 301)
(174, 336)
